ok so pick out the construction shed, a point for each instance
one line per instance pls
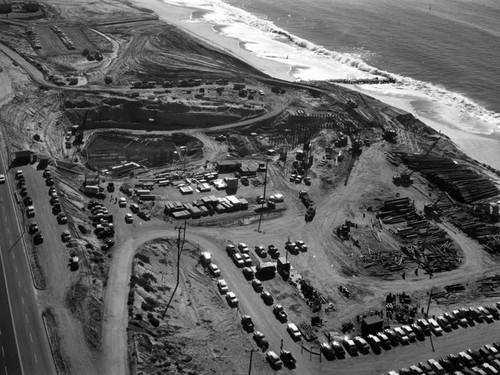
(371, 325)
(228, 167)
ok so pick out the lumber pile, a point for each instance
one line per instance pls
(460, 181)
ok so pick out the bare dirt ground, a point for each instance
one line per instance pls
(94, 315)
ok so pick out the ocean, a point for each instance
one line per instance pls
(443, 54)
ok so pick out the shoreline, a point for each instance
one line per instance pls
(483, 148)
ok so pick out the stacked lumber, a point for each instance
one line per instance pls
(462, 183)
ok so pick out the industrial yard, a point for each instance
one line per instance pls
(178, 192)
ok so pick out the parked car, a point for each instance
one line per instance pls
(350, 347)
(248, 273)
(301, 245)
(293, 331)
(56, 209)
(33, 228)
(260, 340)
(146, 216)
(65, 236)
(247, 260)
(247, 323)
(261, 251)
(2, 179)
(129, 219)
(19, 174)
(362, 345)
(280, 313)
(62, 219)
(222, 285)
(243, 247)
(435, 327)
(273, 360)
(122, 202)
(403, 338)
(30, 211)
(238, 260)
(443, 323)
(231, 299)
(134, 207)
(230, 249)
(257, 285)
(267, 297)
(214, 269)
(327, 351)
(288, 359)
(38, 238)
(27, 201)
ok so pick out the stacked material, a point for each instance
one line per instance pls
(459, 180)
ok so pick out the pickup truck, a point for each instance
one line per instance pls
(280, 313)
(247, 323)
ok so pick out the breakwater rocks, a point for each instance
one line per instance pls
(365, 81)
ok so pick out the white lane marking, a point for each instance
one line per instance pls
(31, 338)
(7, 230)
(6, 372)
(13, 255)
(15, 268)
(19, 283)
(36, 359)
(22, 300)
(3, 353)
(26, 317)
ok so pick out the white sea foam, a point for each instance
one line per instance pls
(309, 61)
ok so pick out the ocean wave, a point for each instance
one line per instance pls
(224, 14)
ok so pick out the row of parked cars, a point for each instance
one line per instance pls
(404, 335)
(29, 207)
(276, 361)
(485, 361)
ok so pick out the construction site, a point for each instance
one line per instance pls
(188, 192)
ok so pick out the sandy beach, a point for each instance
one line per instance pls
(483, 148)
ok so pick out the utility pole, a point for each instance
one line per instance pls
(427, 315)
(180, 245)
(250, 364)
(264, 199)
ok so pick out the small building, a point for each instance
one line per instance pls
(186, 190)
(371, 325)
(232, 183)
(228, 167)
(204, 187)
(239, 86)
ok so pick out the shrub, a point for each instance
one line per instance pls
(143, 258)
(154, 322)
(149, 276)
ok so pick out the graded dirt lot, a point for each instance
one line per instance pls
(107, 315)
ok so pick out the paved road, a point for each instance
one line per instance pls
(30, 353)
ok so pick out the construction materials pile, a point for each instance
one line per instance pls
(424, 243)
(459, 180)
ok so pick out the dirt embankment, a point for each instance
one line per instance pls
(197, 334)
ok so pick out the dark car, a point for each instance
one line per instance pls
(247, 323)
(54, 200)
(260, 340)
(27, 201)
(56, 209)
(49, 181)
(144, 215)
(33, 228)
(23, 192)
(111, 187)
(62, 219)
(108, 244)
(38, 239)
(267, 297)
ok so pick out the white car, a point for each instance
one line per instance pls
(122, 202)
(129, 219)
(293, 331)
(214, 269)
(222, 285)
(2, 179)
(243, 247)
(231, 299)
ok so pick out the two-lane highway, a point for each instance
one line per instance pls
(24, 345)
